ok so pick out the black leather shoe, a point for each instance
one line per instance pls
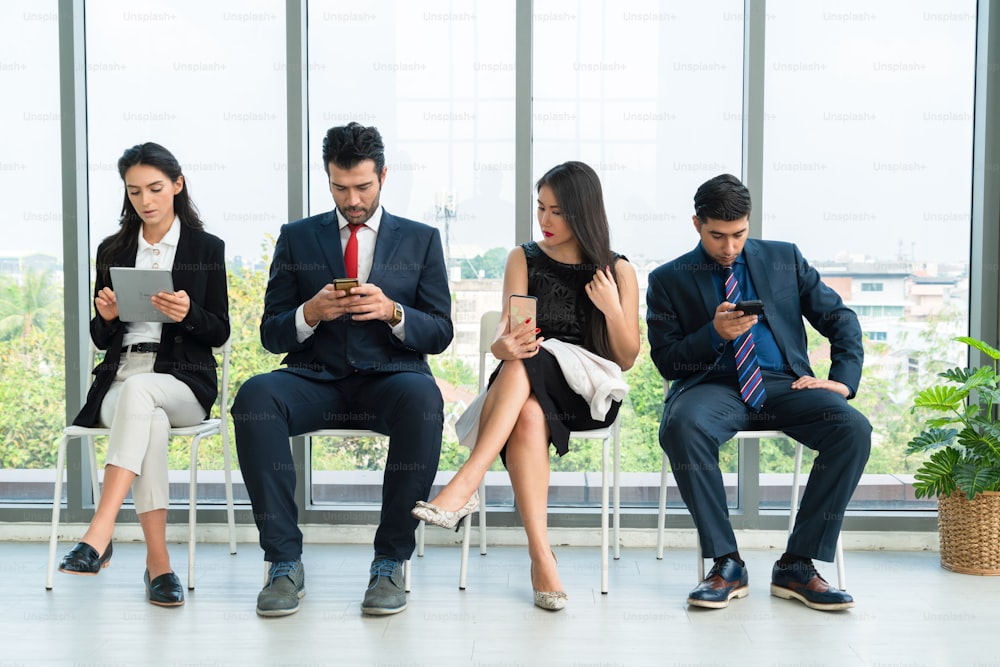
(83, 559)
(726, 580)
(165, 590)
(800, 581)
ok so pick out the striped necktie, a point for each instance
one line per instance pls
(747, 369)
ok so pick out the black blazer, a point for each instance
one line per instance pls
(409, 268)
(682, 297)
(185, 347)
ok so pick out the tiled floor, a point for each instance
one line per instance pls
(909, 612)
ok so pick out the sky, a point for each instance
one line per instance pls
(868, 115)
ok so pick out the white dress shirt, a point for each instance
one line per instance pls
(153, 256)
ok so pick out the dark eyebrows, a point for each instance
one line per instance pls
(148, 185)
(366, 184)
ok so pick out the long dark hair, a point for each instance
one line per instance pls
(130, 223)
(578, 191)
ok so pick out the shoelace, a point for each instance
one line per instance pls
(808, 567)
(811, 571)
(285, 568)
(383, 567)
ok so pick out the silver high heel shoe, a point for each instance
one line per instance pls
(431, 513)
(549, 600)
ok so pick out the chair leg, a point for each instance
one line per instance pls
(482, 516)
(227, 462)
(661, 515)
(420, 538)
(463, 568)
(604, 515)
(796, 477)
(406, 575)
(617, 499)
(88, 442)
(192, 507)
(56, 507)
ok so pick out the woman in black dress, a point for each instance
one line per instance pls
(588, 297)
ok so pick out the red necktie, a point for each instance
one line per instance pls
(747, 369)
(351, 251)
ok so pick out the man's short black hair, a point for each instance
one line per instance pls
(347, 145)
(722, 198)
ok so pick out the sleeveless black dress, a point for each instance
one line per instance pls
(564, 311)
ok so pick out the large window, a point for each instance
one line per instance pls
(31, 261)
(437, 79)
(213, 94)
(629, 88)
(867, 167)
(867, 154)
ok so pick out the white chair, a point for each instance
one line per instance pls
(488, 324)
(209, 427)
(794, 506)
(353, 433)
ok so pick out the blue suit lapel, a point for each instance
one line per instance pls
(389, 237)
(704, 280)
(759, 273)
(328, 241)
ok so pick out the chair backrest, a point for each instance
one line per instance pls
(488, 324)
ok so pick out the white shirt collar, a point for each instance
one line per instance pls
(171, 238)
(372, 222)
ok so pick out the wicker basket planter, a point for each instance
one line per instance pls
(970, 533)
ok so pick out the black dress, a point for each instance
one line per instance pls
(564, 312)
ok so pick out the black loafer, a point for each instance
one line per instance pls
(800, 581)
(726, 580)
(83, 559)
(165, 590)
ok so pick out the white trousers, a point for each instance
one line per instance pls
(139, 408)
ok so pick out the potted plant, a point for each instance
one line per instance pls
(963, 467)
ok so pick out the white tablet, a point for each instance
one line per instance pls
(133, 289)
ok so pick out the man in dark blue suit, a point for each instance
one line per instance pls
(733, 371)
(355, 358)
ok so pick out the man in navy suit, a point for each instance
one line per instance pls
(733, 371)
(355, 358)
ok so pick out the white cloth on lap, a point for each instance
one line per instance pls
(596, 379)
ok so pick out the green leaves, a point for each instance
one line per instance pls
(941, 397)
(931, 439)
(973, 479)
(983, 347)
(967, 458)
(935, 478)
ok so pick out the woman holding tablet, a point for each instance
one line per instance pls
(587, 305)
(155, 374)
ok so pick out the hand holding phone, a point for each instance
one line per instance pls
(750, 307)
(345, 283)
(522, 308)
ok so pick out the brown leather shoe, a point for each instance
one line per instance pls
(800, 581)
(726, 580)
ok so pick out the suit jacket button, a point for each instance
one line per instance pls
(178, 339)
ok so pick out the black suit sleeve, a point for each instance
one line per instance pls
(826, 312)
(208, 322)
(101, 332)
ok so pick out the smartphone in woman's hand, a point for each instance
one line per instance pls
(521, 309)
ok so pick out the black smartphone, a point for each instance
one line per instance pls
(345, 283)
(521, 308)
(750, 307)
